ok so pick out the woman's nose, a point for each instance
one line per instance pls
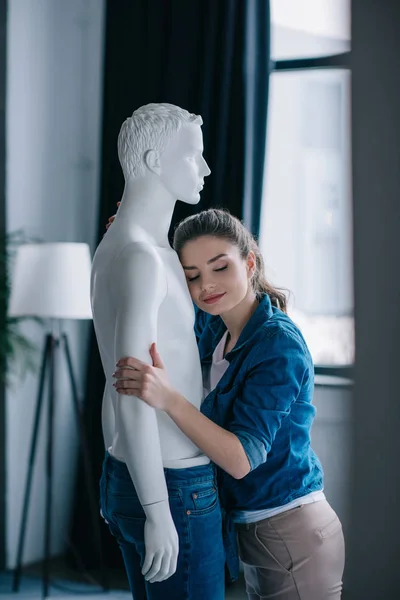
(207, 285)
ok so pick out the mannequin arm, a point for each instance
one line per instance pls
(107, 418)
(138, 287)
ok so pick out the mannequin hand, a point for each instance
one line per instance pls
(161, 543)
(111, 219)
(149, 383)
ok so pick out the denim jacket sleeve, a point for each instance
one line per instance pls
(270, 387)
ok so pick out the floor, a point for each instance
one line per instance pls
(66, 587)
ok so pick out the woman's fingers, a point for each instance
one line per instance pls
(156, 358)
(130, 376)
(123, 392)
(130, 389)
(128, 361)
(128, 384)
(127, 374)
(111, 219)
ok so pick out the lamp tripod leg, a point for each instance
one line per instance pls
(28, 484)
(49, 468)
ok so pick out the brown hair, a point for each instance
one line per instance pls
(220, 223)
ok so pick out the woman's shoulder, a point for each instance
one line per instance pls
(281, 323)
(279, 333)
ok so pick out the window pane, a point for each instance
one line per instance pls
(309, 28)
(306, 225)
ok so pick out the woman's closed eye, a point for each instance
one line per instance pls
(197, 276)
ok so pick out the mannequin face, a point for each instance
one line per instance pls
(182, 166)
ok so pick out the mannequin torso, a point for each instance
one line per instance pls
(173, 322)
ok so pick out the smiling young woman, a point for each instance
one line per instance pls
(256, 417)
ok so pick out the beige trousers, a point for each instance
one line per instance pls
(296, 555)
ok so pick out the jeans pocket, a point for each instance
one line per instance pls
(114, 530)
(103, 497)
(204, 500)
(131, 529)
(121, 499)
(121, 489)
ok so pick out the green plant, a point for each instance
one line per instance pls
(18, 355)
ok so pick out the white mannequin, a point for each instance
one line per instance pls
(139, 296)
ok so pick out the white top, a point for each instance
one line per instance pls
(218, 367)
(219, 363)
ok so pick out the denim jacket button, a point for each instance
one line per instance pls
(195, 496)
(188, 512)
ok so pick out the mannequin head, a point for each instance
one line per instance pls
(166, 141)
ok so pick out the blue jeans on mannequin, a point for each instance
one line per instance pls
(195, 509)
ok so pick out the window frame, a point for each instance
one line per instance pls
(330, 61)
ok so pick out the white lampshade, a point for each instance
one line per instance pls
(52, 281)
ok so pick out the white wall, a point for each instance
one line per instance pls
(54, 91)
(332, 440)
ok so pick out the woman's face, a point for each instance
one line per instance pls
(218, 277)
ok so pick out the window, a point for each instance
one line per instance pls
(306, 224)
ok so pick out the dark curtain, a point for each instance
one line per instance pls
(210, 57)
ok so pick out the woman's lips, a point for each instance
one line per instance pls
(213, 299)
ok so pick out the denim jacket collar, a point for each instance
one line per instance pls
(217, 328)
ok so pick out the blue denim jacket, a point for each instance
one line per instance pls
(265, 399)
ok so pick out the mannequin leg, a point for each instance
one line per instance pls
(196, 513)
(132, 561)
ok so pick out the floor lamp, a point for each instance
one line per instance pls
(52, 281)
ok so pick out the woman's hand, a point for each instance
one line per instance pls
(149, 383)
(111, 219)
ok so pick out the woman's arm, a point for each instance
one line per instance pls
(223, 447)
(151, 384)
(281, 370)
